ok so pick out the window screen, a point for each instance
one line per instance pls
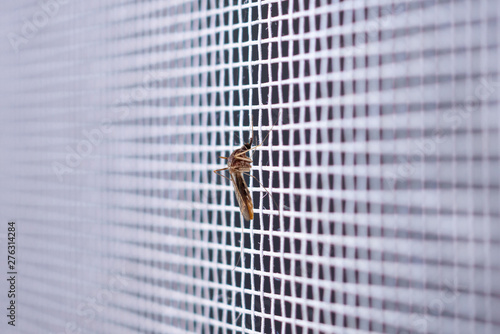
(375, 179)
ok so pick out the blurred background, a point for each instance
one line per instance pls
(382, 161)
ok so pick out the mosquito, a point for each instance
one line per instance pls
(239, 163)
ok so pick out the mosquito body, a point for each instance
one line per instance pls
(237, 164)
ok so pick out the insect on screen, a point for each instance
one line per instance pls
(374, 174)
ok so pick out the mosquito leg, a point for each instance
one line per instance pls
(242, 156)
(241, 313)
(219, 170)
(239, 155)
(251, 130)
(264, 188)
(251, 149)
(242, 221)
(241, 244)
(265, 138)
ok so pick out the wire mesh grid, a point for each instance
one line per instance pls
(381, 165)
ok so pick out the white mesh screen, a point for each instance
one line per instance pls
(383, 166)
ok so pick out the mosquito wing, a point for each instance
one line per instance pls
(242, 195)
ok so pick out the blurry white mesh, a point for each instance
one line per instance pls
(383, 165)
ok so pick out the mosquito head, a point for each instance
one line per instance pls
(248, 145)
